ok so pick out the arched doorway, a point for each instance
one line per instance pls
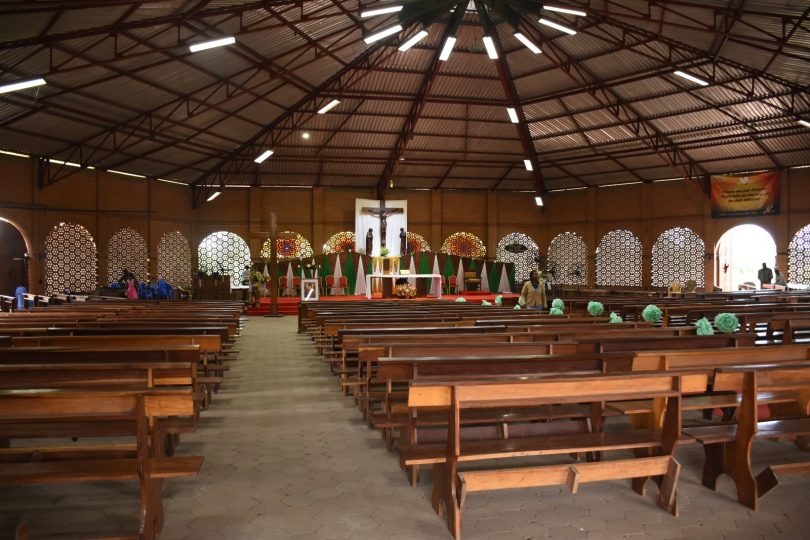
(739, 255)
(13, 258)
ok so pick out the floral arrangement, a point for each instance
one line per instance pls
(726, 323)
(516, 308)
(555, 311)
(499, 300)
(558, 303)
(652, 314)
(615, 318)
(384, 251)
(405, 290)
(704, 327)
(461, 299)
(595, 308)
(257, 277)
(485, 303)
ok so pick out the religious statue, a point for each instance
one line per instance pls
(369, 242)
(403, 242)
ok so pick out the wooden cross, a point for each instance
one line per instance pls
(382, 213)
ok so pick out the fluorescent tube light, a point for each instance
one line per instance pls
(329, 106)
(490, 46)
(559, 27)
(805, 123)
(380, 11)
(383, 34)
(178, 182)
(266, 154)
(538, 200)
(419, 36)
(122, 173)
(565, 10)
(213, 196)
(528, 164)
(448, 48)
(15, 154)
(67, 163)
(196, 47)
(692, 78)
(528, 43)
(513, 117)
(22, 85)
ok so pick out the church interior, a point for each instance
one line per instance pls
(383, 269)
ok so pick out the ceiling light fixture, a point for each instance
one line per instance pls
(490, 46)
(22, 85)
(559, 27)
(538, 200)
(528, 164)
(565, 10)
(67, 163)
(168, 181)
(329, 106)
(513, 117)
(122, 173)
(805, 123)
(382, 34)
(305, 135)
(692, 78)
(264, 155)
(528, 43)
(15, 154)
(448, 48)
(213, 196)
(196, 47)
(419, 36)
(381, 11)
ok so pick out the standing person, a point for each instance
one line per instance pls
(132, 287)
(246, 282)
(533, 295)
(780, 278)
(764, 275)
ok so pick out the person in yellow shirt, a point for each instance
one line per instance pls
(533, 294)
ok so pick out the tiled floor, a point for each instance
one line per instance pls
(287, 457)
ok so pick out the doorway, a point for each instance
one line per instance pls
(13, 259)
(739, 255)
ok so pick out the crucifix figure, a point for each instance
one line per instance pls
(382, 212)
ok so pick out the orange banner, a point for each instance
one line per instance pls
(745, 195)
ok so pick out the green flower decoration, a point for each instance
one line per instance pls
(704, 327)
(461, 299)
(559, 304)
(595, 308)
(555, 311)
(652, 314)
(516, 308)
(615, 318)
(499, 300)
(485, 303)
(726, 322)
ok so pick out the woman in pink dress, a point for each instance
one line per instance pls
(132, 291)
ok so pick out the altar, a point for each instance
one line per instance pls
(436, 289)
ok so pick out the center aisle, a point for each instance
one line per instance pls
(288, 456)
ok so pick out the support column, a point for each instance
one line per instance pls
(646, 237)
(317, 219)
(782, 233)
(709, 245)
(492, 223)
(591, 240)
(255, 222)
(436, 220)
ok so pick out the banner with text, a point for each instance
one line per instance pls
(745, 195)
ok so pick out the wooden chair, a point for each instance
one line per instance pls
(330, 284)
(282, 285)
(471, 281)
(343, 284)
(297, 284)
(675, 289)
(449, 285)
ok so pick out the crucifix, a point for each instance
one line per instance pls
(382, 212)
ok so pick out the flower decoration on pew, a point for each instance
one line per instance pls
(558, 303)
(461, 299)
(652, 314)
(704, 327)
(595, 308)
(615, 318)
(726, 323)
(499, 300)
(405, 290)
(516, 308)
(485, 303)
(555, 311)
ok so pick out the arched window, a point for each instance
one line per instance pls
(464, 244)
(127, 250)
(799, 257)
(174, 259)
(568, 259)
(223, 252)
(416, 243)
(678, 254)
(339, 243)
(618, 260)
(520, 249)
(289, 245)
(70, 259)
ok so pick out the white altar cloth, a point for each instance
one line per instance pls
(437, 289)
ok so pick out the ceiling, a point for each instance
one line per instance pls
(600, 107)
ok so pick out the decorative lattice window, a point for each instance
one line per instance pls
(568, 259)
(70, 259)
(174, 259)
(678, 254)
(339, 243)
(126, 250)
(799, 257)
(416, 243)
(520, 249)
(464, 244)
(289, 245)
(618, 260)
(223, 252)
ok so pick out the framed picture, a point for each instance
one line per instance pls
(309, 290)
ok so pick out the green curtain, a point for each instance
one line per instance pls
(495, 277)
(473, 266)
(424, 264)
(404, 262)
(326, 270)
(350, 273)
(448, 268)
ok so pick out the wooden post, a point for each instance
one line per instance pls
(273, 263)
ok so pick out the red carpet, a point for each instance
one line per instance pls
(289, 305)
